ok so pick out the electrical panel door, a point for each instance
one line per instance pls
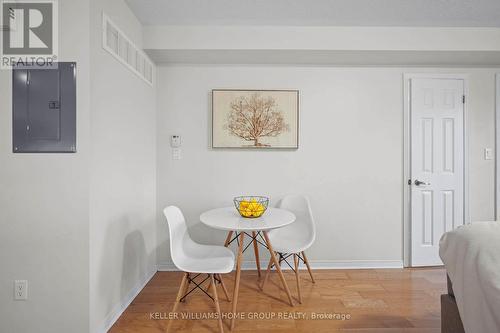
(44, 109)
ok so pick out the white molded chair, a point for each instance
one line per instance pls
(294, 239)
(196, 259)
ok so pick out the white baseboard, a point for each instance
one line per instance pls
(167, 266)
(119, 308)
(355, 264)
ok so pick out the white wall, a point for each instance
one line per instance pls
(44, 208)
(122, 173)
(350, 160)
(81, 228)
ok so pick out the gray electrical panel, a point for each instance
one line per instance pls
(44, 109)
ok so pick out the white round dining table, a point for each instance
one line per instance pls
(228, 219)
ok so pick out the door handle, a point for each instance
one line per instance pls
(420, 183)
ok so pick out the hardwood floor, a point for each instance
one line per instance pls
(381, 300)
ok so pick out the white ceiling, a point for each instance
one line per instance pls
(445, 13)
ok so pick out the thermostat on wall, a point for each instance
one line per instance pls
(175, 141)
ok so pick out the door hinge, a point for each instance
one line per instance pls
(463, 99)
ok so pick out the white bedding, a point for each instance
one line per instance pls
(471, 255)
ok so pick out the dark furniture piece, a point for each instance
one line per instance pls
(450, 317)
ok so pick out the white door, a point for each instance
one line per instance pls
(437, 164)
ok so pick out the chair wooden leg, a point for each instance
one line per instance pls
(228, 238)
(209, 285)
(187, 288)
(177, 300)
(256, 251)
(296, 262)
(278, 268)
(216, 301)
(268, 271)
(308, 267)
(237, 279)
(224, 287)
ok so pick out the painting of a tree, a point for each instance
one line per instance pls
(255, 117)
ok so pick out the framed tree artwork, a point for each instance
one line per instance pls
(255, 118)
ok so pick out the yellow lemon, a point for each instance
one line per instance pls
(259, 209)
(251, 208)
(246, 212)
(244, 208)
(255, 208)
(244, 204)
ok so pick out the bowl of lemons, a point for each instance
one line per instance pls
(251, 206)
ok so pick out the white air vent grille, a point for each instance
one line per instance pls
(121, 47)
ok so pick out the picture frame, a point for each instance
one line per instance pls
(255, 119)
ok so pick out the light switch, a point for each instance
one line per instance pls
(488, 153)
(176, 154)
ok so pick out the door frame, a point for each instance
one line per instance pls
(407, 77)
(497, 147)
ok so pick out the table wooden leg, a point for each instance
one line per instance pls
(237, 278)
(256, 251)
(308, 267)
(177, 300)
(267, 273)
(278, 268)
(297, 278)
(228, 238)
